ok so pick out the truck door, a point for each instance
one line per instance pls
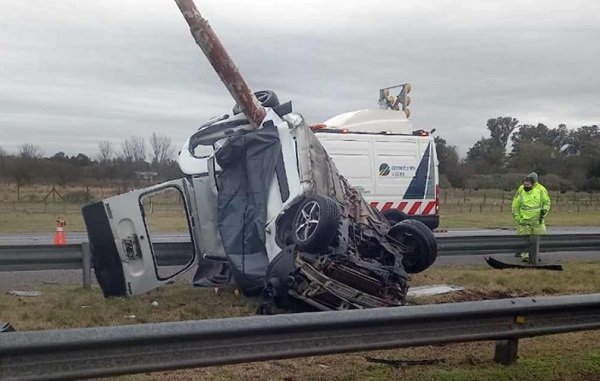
(122, 234)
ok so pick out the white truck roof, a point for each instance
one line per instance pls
(372, 120)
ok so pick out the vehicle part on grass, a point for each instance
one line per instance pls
(519, 264)
(316, 224)
(394, 216)
(6, 327)
(25, 293)
(266, 98)
(436, 289)
(420, 249)
(403, 363)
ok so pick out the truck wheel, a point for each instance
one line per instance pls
(316, 224)
(267, 98)
(418, 252)
(430, 237)
(394, 216)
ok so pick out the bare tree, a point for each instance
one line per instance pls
(162, 150)
(134, 149)
(30, 151)
(106, 149)
(2, 152)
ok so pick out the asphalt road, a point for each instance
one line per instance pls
(30, 280)
(78, 237)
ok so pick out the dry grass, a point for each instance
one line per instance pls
(568, 357)
(470, 208)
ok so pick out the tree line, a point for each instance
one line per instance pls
(135, 161)
(566, 159)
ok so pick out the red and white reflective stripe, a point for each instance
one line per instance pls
(408, 207)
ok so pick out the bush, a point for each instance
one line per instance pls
(506, 181)
(555, 182)
(444, 182)
(78, 196)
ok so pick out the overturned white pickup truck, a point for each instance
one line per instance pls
(264, 201)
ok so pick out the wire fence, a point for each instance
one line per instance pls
(54, 199)
(489, 200)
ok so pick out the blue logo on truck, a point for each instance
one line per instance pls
(384, 169)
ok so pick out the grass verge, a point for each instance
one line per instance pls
(567, 357)
(169, 221)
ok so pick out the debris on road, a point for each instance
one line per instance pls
(6, 327)
(438, 289)
(25, 293)
(402, 363)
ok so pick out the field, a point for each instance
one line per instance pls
(567, 357)
(459, 208)
(564, 357)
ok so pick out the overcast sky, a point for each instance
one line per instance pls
(75, 72)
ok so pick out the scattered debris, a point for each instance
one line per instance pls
(154, 304)
(85, 306)
(129, 316)
(25, 293)
(512, 264)
(6, 327)
(323, 366)
(402, 363)
(436, 289)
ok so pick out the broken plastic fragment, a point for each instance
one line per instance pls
(437, 289)
(25, 293)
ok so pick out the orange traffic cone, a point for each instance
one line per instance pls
(59, 236)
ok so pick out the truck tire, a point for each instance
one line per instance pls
(316, 223)
(267, 98)
(394, 216)
(420, 250)
(430, 237)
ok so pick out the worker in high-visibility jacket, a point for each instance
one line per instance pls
(530, 208)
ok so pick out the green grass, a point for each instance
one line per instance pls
(32, 218)
(566, 357)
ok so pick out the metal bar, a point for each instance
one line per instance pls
(64, 257)
(534, 249)
(40, 257)
(506, 351)
(216, 54)
(109, 351)
(86, 254)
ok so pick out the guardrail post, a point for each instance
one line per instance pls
(86, 257)
(506, 351)
(534, 249)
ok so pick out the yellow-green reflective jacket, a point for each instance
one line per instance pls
(526, 206)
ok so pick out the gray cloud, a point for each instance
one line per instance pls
(78, 72)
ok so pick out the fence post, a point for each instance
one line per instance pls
(534, 248)
(506, 351)
(86, 257)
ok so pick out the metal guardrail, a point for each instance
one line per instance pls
(109, 351)
(78, 256)
(478, 245)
